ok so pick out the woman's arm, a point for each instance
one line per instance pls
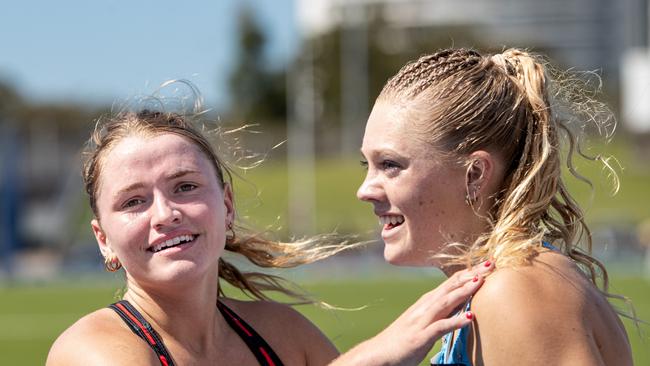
(409, 338)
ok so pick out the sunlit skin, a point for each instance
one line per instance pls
(156, 187)
(419, 197)
(153, 189)
(407, 181)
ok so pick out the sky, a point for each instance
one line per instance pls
(100, 52)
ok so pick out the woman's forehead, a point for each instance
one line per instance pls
(391, 126)
(135, 156)
(136, 147)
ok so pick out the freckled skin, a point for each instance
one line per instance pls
(426, 190)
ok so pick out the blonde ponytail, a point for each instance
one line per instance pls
(507, 101)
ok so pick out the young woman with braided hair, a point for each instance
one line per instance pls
(164, 212)
(463, 152)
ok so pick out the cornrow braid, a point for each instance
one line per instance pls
(418, 76)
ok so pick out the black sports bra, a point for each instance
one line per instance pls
(139, 325)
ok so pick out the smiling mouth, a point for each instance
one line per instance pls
(390, 222)
(173, 242)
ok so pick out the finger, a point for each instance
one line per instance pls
(460, 278)
(481, 269)
(441, 327)
(453, 299)
(442, 306)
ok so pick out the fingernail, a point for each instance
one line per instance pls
(469, 315)
(488, 263)
(475, 279)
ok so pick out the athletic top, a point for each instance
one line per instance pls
(454, 349)
(139, 325)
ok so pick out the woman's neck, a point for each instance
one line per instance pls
(451, 269)
(186, 314)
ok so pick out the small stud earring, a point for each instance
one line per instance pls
(471, 199)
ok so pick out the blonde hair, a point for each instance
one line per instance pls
(255, 247)
(507, 103)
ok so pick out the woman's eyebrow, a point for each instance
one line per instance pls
(134, 186)
(182, 173)
(129, 188)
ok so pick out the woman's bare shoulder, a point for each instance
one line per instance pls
(529, 312)
(287, 331)
(552, 276)
(99, 338)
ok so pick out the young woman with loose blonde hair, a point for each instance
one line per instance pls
(464, 157)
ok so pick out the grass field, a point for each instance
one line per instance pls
(31, 316)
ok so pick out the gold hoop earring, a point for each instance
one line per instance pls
(111, 263)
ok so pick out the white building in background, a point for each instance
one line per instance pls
(635, 81)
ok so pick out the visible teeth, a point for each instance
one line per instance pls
(391, 220)
(171, 242)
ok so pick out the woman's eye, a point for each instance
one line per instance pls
(389, 165)
(364, 164)
(186, 187)
(132, 202)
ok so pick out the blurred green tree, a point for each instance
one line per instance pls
(389, 47)
(258, 92)
(10, 101)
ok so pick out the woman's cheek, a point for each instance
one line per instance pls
(133, 219)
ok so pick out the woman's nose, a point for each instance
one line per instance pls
(164, 213)
(369, 190)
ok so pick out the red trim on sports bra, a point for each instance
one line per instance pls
(266, 355)
(163, 360)
(139, 325)
(153, 340)
(239, 324)
(137, 322)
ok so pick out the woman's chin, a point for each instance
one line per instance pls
(401, 258)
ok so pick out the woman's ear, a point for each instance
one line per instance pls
(100, 236)
(480, 172)
(229, 203)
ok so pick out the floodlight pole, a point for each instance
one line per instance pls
(354, 76)
(300, 144)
